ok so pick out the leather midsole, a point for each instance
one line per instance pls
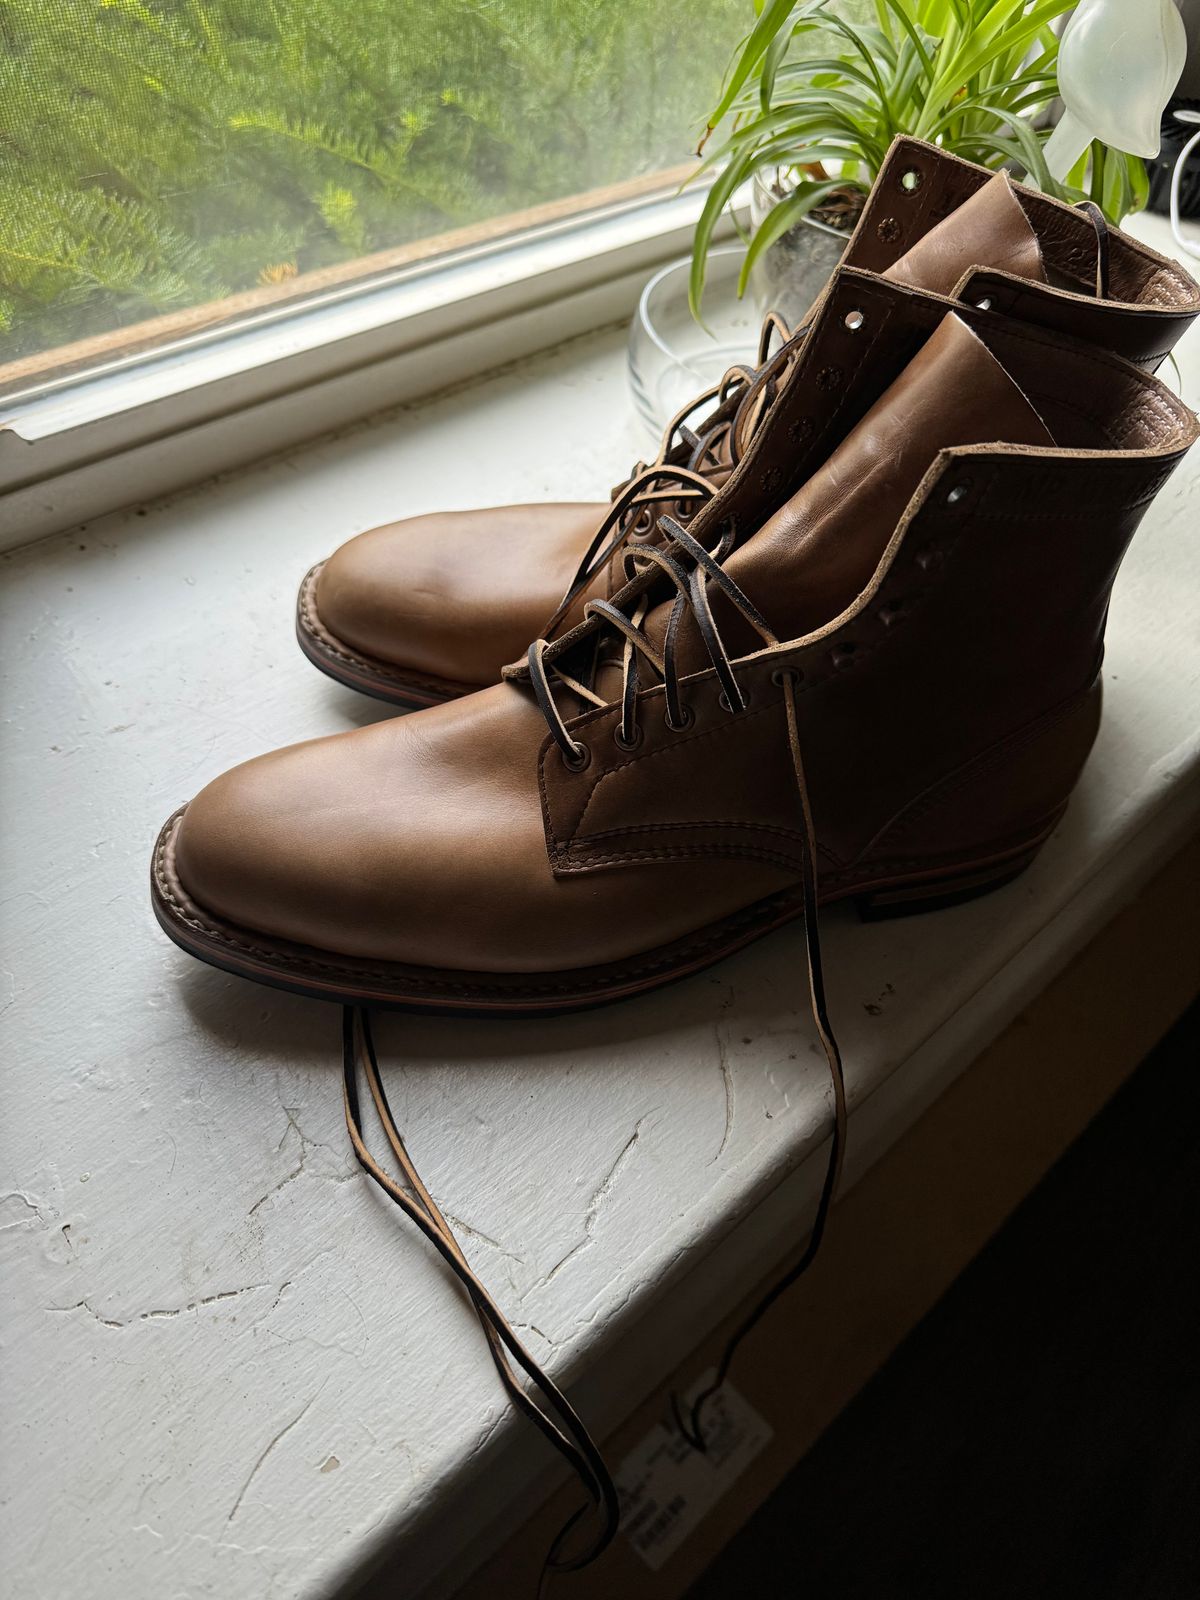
(347, 979)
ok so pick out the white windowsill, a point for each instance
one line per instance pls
(206, 1307)
(75, 448)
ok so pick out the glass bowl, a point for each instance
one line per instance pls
(671, 357)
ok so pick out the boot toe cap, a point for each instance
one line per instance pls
(454, 595)
(231, 855)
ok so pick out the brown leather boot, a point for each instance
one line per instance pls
(919, 610)
(427, 609)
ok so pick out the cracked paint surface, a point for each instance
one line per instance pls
(602, 1192)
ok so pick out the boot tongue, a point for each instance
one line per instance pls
(812, 558)
(988, 230)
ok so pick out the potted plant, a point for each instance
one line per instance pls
(818, 90)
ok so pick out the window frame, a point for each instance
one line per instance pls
(138, 426)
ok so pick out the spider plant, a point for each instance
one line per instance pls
(818, 89)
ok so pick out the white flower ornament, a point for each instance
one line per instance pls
(1118, 62)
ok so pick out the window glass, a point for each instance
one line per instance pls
(177, 160)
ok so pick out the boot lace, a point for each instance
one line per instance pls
(680, 477)
(674, 479)
(691, 586)
(657, 498)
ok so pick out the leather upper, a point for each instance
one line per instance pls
(944, 713)
(421, 839)
(454, 596)
(800, 567)
(989, 226)
(1151, 302)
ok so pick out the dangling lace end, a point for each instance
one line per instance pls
(543, 1403)
(692, 1428)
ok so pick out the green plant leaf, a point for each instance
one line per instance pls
(782, 217)
(773, 17)
(963, 65)
(868, 59)
(1030, 146)
(901, 13)
(834, 82)
(722, 191)
(772, 58)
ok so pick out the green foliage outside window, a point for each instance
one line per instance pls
(155, 154)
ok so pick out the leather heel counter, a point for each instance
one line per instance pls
(1013, 792)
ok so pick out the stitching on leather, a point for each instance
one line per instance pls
(774, 422)
(1076, 512)
(666, 827)
(696, 852)
(864, 872)
(983, 764)
(812, 680)
(765, 911)
(977, 508)
(1147, 311)
(714, 938)
(986, 482)
(1089, 354)
(865, 351)
(666, 749)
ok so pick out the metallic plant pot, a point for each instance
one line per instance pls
(791, 273)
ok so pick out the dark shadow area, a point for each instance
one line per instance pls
(1038, 1434)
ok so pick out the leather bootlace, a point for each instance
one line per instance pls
(539, 1399)
(553, 1416)
(1103, 244)
(691, 586)
(679, 478)
(742, 396)
(681, 475)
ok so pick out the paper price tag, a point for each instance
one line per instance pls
(666, 1487)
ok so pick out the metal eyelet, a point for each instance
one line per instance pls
(842, 655)
(622, 743)
(581, 760)
(854, 320)
(956, 494)
(911, 180)
(723, 702)
(783, 675)
(686, 718)
(985, 304)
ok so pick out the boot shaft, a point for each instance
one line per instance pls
(1151, 300)
(950, 704)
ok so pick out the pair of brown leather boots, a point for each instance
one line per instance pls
(899, 533)
(841, 638)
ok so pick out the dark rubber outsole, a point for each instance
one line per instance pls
(324, 975)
